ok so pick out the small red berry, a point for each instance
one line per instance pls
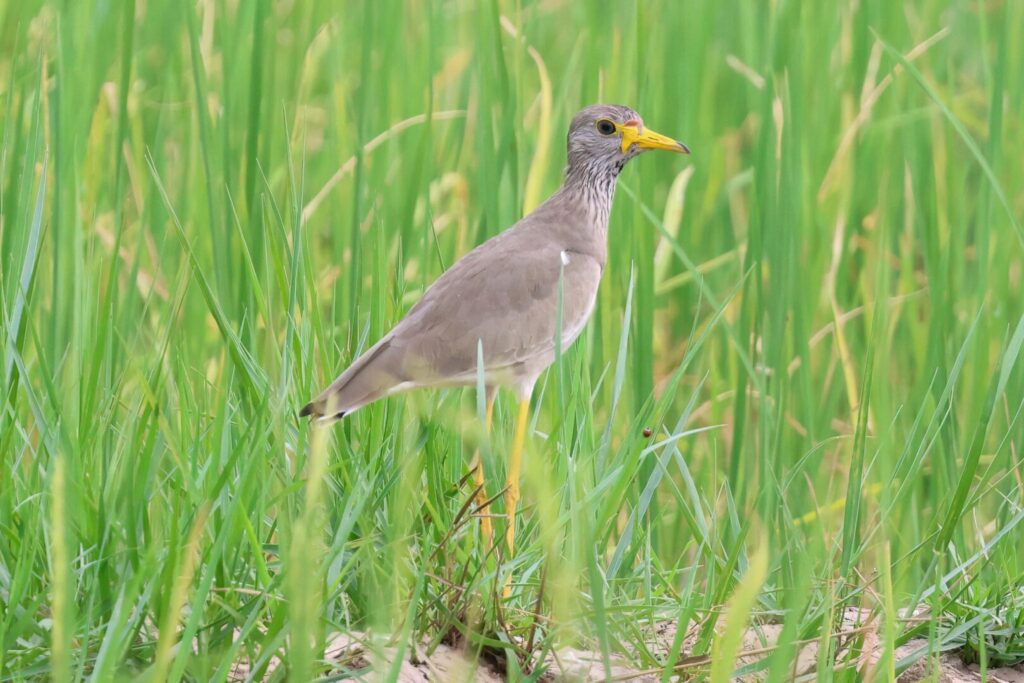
(647, 432)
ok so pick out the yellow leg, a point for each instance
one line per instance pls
(486, 528)
(512, 485)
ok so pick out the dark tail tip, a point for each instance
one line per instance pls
(315, 409)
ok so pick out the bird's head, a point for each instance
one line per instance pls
(603, 137)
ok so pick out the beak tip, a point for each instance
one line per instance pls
(683, 148)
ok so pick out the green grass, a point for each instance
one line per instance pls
(208, 208)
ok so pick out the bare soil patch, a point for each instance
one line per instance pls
(447, 663)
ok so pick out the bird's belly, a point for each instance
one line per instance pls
(572, 329)
(582, 277)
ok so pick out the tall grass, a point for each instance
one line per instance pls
(208, 208)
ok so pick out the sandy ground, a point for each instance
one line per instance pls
(447, 663)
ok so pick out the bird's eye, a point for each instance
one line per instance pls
(605, 127)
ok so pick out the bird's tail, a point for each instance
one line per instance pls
(370, 377)
(316, 409)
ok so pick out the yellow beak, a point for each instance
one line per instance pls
(648, 139)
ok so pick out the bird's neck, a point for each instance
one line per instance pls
(594, 188)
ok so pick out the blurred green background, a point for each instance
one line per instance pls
(207, 208)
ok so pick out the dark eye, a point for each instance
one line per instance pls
(605, 127)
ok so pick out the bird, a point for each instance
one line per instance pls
(500, 301)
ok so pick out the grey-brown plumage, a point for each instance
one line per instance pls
(504, 294)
